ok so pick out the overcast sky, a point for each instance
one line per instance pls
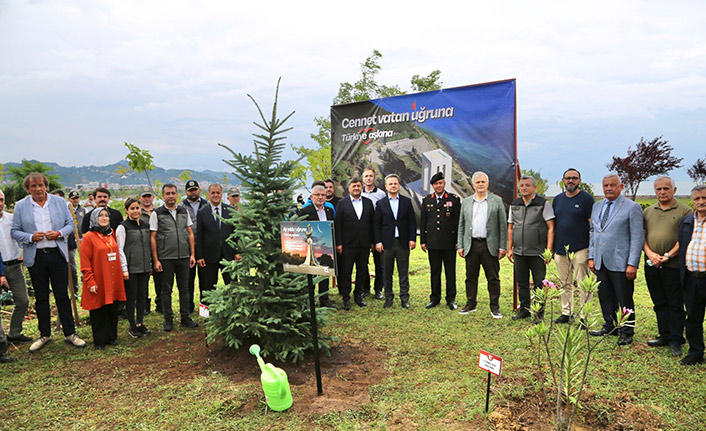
(78, 78)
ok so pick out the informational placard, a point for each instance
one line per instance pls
(308, 247)
(204, 311)
(490, 363)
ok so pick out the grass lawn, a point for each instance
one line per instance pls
(430, 382)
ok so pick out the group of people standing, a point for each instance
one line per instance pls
(117, 257)
(607, 238)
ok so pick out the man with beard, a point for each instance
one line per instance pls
(573, 221)
(102, 197)
(193, 203)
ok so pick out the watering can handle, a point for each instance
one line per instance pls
(282, 388)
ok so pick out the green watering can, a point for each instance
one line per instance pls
(274, 383)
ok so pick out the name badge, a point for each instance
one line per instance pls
(112, 257)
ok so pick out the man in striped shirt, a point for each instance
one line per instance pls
(692, 265)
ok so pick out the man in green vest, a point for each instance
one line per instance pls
(172, 244)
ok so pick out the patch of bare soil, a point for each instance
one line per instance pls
(535, 412)
(346, 375)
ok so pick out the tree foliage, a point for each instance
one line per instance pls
(697, 171)
(649, 158)
(15, 191)
(317, 161)
(140, 161)
(263, 304)
(185, 175)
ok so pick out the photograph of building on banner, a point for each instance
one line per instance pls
(308, 247)
(456, 131)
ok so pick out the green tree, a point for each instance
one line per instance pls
(263, 304)
(185, 176)
(140, 161)
(317, 161)
(15, 191)
(542, 183)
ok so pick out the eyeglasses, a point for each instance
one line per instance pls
(571, 178)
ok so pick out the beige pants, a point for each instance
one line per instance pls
(570, 274)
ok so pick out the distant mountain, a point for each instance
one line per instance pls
(72, 175)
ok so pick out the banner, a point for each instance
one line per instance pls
(456, 131)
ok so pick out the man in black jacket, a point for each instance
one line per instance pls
(102, 197)
(395, 235)
(211, 239)
(317, 211)
(354, 239)
(193, 204)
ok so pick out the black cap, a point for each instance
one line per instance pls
(73, 194)
(437, 176)
(192, 184)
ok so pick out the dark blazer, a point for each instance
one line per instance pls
(385, 222)
(211, 242)
(116, 217)
(438, 222)
(310, 212)
(686, 229)
(351, 232)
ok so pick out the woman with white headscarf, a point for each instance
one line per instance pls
(102, 278)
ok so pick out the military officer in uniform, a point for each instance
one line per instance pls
(438, 228)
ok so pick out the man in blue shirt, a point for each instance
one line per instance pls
(572, 210)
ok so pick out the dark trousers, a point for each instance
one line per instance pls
(400, 253)
(614, 293)
(668, 299)
(357, 256)
(157, 279)
(51, 267)
(695, 300)
(379, 274)
(180, 269)
(104, 324)
(210, 278)
(74, 273)
(477, 256)
(524, 265)
(192, 281)
(136, 293)
(448, 258)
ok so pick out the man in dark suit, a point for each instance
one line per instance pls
(211, 239)
(317, 211)
(102, 197)
(395, 235)
(692, 270)
(193, 204)
(354, 239)
(438, 229)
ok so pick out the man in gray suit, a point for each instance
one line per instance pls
(482, 236)
(615, 245)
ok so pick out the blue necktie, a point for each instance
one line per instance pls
(604, 219)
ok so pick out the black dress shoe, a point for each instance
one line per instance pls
(452, 306)
(168, 325)
(361, 303)
(379, 295)
(582, 324)
(432, 304)
(405, 304)
(675, 349)
(328, 304)
(20, 339)
(388, 303)
(624, 340)
(188, 323)
(658, 342)
(347, 305)
(601, 332)
(691, 360)
(522, 314)
(562, 319)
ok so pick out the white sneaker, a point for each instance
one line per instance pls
(496, 314)
(75, 341)
(41, 341)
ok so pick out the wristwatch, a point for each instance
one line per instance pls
(667, 255)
